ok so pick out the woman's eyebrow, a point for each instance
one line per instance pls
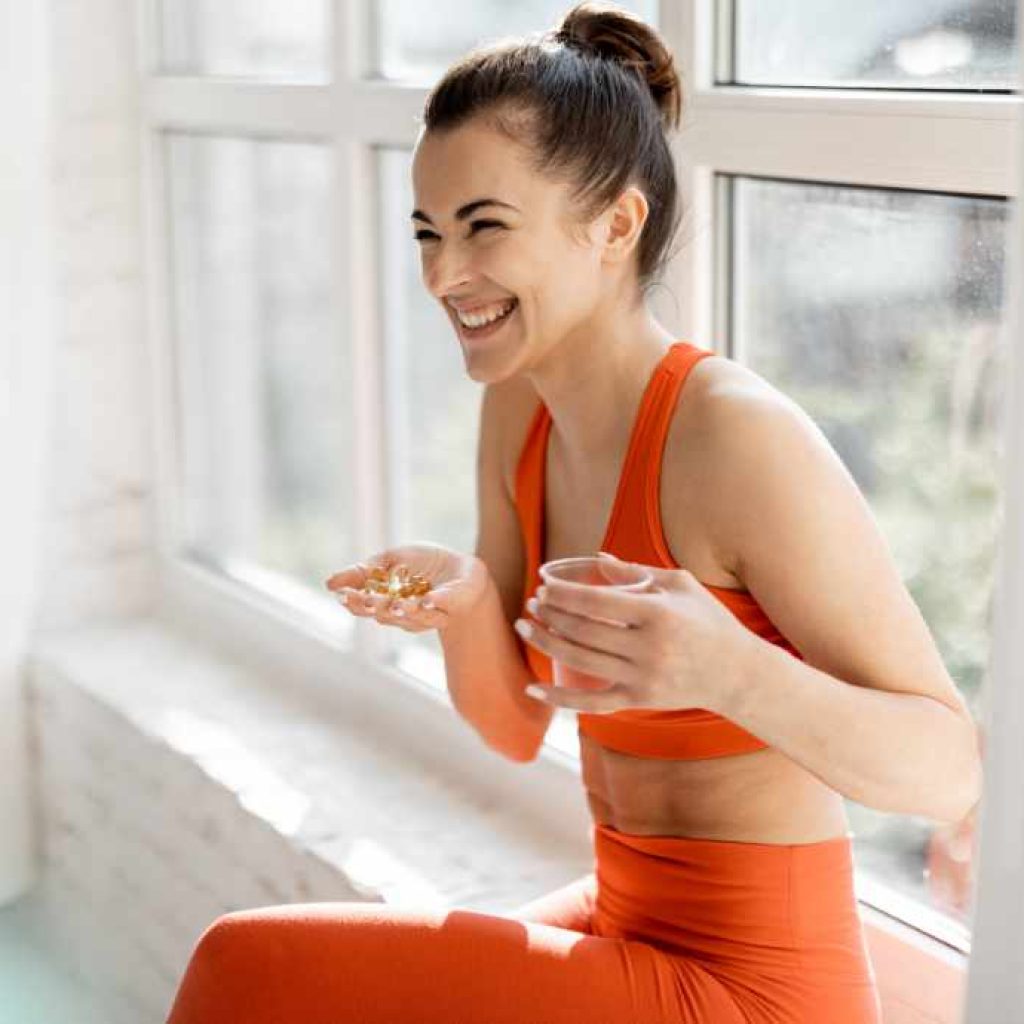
(464, 211)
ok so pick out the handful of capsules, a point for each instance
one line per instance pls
(396, 582)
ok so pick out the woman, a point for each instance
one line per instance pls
(716, 762)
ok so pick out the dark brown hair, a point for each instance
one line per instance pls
(592, 101)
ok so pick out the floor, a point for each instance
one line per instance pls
(35, 986)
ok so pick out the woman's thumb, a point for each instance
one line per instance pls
(668, 579)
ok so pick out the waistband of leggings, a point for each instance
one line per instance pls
(690, 848)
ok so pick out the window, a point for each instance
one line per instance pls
(237, 38)
(415, 48)
(264, 385)
(859, 268)
(880, 314)
(845, 221)
(917, 44)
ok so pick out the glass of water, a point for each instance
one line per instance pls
(592, 571)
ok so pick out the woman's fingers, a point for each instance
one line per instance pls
(356, 601)
(353, 576)
(411, 613)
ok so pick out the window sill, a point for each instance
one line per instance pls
(323, 771)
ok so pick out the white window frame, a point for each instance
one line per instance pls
(944, 142)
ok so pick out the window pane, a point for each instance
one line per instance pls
(915, 44)
(239, 38)
(879, 313)
(263, 393)
(419, 48)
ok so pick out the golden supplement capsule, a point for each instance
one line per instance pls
(396, 582)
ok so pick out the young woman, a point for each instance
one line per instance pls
(716, 763)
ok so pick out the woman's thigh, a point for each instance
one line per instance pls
(329, 963)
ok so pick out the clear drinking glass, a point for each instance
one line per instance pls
(595, 572)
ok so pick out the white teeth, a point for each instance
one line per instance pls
(479, 319)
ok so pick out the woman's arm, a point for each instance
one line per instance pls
(904, 753)
(486, 675)
(872, 710)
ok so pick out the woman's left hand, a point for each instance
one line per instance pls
(682, 648)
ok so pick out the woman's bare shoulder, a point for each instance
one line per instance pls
(710, 376)
(689, 513)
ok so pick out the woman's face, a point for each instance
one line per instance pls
(525, 251)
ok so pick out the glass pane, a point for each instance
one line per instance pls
(915, 44)
(264, 381)
(879, 313)
(416, 48)
(242, 39)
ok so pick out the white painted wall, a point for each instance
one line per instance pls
(75, 449)
(26, 353)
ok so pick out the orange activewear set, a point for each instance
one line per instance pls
(665, 930)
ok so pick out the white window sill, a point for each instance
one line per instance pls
(403, 826)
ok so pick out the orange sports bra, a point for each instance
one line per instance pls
(634, 533)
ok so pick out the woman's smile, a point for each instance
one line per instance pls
(488, 330)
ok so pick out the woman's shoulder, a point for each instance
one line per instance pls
(689, 513)
(713, 385)
(717, 373)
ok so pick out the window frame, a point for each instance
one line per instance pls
(940, 141)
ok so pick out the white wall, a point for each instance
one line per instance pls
(75, 451)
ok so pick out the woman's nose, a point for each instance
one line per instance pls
(447, 271)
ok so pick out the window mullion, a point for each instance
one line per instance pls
(356, 305)
(995, 979)
(232, 107)
(848, 140)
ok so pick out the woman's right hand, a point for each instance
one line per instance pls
(457, 582)
(951, 865)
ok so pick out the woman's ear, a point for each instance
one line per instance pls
(626, 220)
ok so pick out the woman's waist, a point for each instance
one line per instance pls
(756, 798)
(808, 826)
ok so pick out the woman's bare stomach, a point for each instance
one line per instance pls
(761, 797)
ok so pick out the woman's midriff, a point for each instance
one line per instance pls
(760, 797)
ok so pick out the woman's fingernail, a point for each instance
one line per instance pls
(523, 628)
(536, 691)
(531, 605)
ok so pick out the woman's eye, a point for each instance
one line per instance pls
(422, 236)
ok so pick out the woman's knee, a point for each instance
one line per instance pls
(223, 938)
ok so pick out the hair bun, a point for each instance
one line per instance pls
(619, 35)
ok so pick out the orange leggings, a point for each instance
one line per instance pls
(667, 930)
